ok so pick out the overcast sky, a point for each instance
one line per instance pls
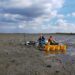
(34, 16)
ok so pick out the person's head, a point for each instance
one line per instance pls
(40, 35)
(51, 37)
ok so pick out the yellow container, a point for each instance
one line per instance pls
(63, 48)
(52, 47)
(46, 48)
(55, 48)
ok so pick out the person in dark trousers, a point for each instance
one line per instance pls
(41, 41)
(52, 41)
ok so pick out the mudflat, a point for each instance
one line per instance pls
(18, 59)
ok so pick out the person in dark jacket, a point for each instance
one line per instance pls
(41, 40)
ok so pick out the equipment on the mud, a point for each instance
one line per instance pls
(30, 43)
(60, 48)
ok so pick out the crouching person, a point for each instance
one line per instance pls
(51, 41)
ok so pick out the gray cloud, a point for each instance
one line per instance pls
(28, 12)
(27, 15)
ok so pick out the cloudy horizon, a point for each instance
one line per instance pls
(37, 16)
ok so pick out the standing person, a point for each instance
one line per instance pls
(41, 40)
(52, 41)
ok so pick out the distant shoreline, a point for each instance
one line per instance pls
(42, 33)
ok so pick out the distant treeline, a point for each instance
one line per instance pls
(39, 33)
(66, 33)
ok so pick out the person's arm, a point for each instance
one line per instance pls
(48, 40)
(53, 40)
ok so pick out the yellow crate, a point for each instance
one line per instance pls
(61, 48)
